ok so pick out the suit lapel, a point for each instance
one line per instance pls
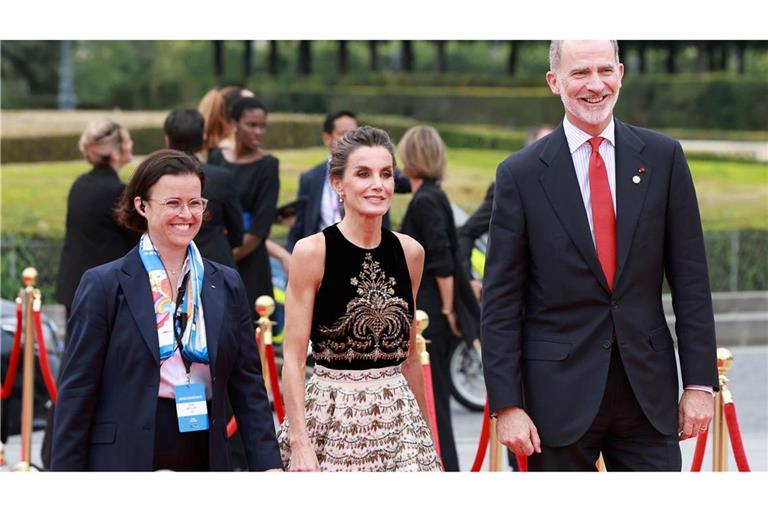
(135, 285)
(630, 196)
(214, 299)
(562, 189)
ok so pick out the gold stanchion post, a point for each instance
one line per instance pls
(265, 306)
(31, 295)
(422, 322)
(719, 426)
(494, 460)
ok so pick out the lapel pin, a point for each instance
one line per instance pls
(635, 179)
(213, 286)
(641, 170)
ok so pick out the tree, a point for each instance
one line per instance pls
(442, 64)
(272, 60)
(343, 57)
(407, 56)
(305, 57)
(218, 59)
(373, 55)
(36, 63)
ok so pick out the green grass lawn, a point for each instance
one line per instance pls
(732, 194)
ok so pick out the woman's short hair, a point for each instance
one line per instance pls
(244, 104)
(100, 138)
(161, 163)
(423, 153)
(365, 136)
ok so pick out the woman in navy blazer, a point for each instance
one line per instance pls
(116, 408)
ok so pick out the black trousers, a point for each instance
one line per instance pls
(441, 340)
(620, 431)
(174, 450)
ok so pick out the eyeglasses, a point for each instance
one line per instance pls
(196, 206)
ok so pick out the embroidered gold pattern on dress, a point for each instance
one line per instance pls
(376, 325)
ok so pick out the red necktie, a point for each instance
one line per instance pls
(603, 218)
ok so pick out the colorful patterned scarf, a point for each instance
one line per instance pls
(193, 338)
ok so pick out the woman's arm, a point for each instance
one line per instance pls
(278, 251)
(307, 266)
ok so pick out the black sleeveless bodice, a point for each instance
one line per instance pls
(364, 307)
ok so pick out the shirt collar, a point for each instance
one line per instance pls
(577, 138)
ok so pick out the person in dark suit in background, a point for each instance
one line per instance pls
(322, 207)
(586, 223)
(92, 234)
(444, 293)
(477, 224)
(157, 333)
(222, 230)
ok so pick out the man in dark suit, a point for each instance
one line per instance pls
(586, 223)
(322, 207)
(223, 229)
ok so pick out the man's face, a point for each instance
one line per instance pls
(341, 126)
(587, 80)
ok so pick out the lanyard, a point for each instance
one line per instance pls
(180, 319)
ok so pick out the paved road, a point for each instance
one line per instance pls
(749, 385)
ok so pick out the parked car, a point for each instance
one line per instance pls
(10, 411)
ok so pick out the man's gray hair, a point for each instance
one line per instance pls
(556, 47)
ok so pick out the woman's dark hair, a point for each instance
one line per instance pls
(365, 136)
(243, 104)
(158, 164)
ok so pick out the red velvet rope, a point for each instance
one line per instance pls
(45, 367)
(698, 455)
(522, 463)
(269, 353)
(13, 362)
(482, 445)
(429, 393)
(729, 410)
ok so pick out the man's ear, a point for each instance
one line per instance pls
(552, 82)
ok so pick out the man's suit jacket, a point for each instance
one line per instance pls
(224, 229)
(93, 236)
(311, 185)
(549, 320)
(105, 413)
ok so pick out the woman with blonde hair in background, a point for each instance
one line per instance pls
(445, 294)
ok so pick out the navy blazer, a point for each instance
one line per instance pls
(105, 413)
(311, 188)
(549, 320)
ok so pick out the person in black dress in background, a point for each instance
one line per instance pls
(351, 293)
(92, 234)
(257, 178)
(444, 285)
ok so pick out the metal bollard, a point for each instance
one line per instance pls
(265, 306)
(422, 322)
(719, 426)
(31, 302)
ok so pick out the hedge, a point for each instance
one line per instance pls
(295, 132)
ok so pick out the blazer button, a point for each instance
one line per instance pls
(614, 305)
(147, 427)
(607, 345)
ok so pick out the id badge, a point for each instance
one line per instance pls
(191, 409)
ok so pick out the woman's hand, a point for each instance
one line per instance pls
(453, 323)
(303, 459)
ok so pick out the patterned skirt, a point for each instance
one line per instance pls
(364, 420)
